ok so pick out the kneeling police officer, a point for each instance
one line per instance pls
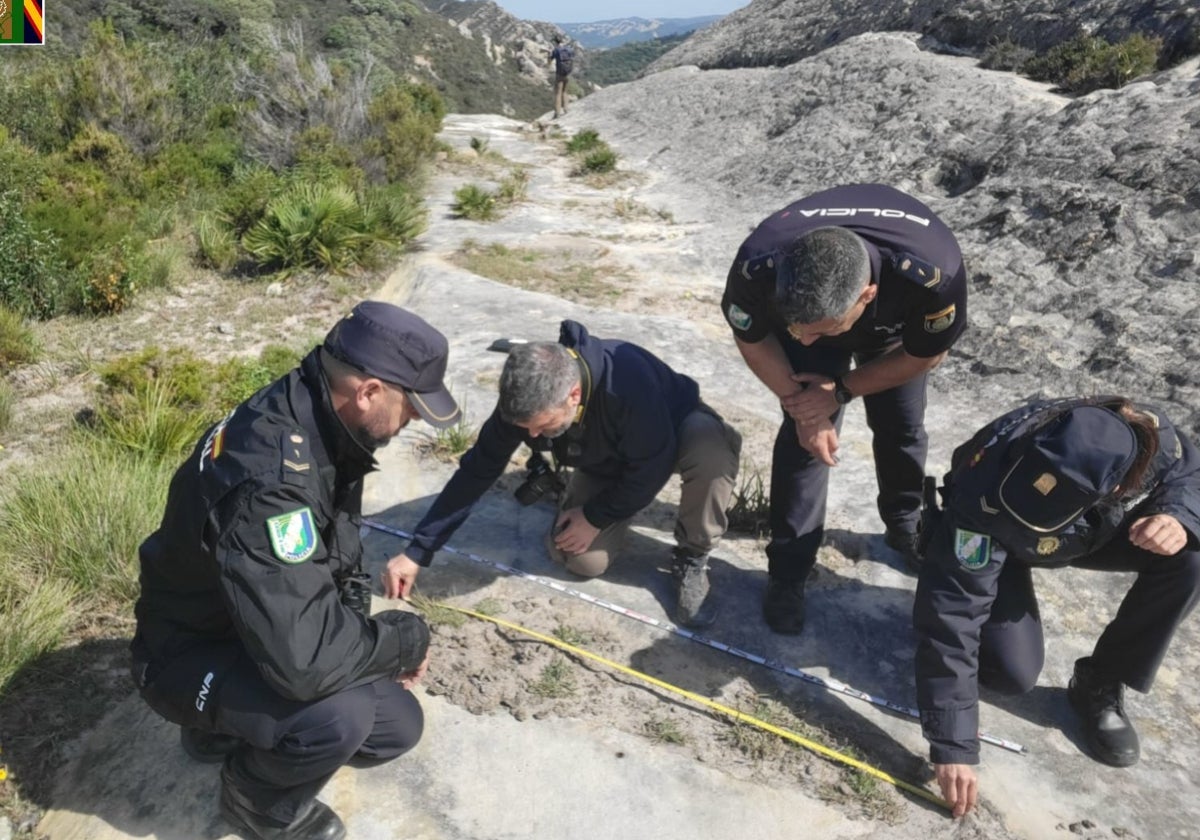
(253, 631)
(1098, 483)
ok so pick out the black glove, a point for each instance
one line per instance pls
(414, 637)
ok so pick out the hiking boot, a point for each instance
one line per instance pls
(1110, 736)
(207, 747)
(908, 544)
(319, 822)
(783, 606)
(690, 573)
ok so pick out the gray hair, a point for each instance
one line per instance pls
(537, 377)
(821, 275)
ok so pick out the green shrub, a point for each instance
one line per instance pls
(310, 226)
(472, 201)
(156, 266)
(1005, 55)
(37, 615)
(18, 346)
(33, 275)
(108, 285)
(514, 187)
(151, 422)
(216, 243)
(602, 159)
(77, 521)
(1088, 63)
(479, 144)
(583, 140)
(404, 120)
(239, 379)
(394, 213)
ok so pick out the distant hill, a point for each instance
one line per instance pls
(626, 62)
(607, 34)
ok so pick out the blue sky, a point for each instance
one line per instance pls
(581, 11)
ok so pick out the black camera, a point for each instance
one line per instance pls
(540, 479)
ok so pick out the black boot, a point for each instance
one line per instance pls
(207, 747)
(690, 573)
(783, 606)
(907, 543)
(1110, 736)
(319, 822)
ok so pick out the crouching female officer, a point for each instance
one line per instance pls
(1097, 483)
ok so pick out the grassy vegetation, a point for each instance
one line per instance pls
(626, 62)
(1080, 65)
(18, 346)
(572, 635)
(450, 443)
(664, 731)
(477, 203)
(749, 513)
(556, 680)
(437, 614)
(582, 280)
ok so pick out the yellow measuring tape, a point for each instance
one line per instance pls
(813, 746)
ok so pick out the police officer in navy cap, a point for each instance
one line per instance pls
(254, 631)
(1098, 483)
(862, 274)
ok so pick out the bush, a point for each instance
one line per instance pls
(310, 226)
(404, 120)
(1089, 63)
(108, 285)
(33, 275)
(1005, 55)
(513, 188)
(216, 244)
(583, 140)
(151, 422)
(37, 614)
(394, 213)
(17, 343)
(601, 159)
(472, 201)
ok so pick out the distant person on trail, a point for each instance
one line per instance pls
(863, 273)
(1098, 483)
(624, 421)
(254, 631)
(563, 58)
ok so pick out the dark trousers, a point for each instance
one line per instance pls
(1132, 646)
(800, 483)
(292, 748)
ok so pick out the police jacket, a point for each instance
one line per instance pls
(633, 403)
(261, 521)
(975, 537)
(915, 262)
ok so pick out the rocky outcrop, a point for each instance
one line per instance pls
(779, 32)
(1080, 219)
(507, 40)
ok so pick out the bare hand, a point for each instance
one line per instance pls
(572, 532)
(820, 439)
(1160, 534)
(960, 787)
(410, 678)
(399, 577)
(812, 404)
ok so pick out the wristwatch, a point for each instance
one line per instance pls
(841, 394)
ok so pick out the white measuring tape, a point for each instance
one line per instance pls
(829, 684)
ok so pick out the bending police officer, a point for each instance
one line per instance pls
(863, 273)
(624, 421)
(251, 634)
(1097, 483)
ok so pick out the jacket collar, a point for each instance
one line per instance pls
(349, 457)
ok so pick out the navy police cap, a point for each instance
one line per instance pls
(393, 344)
(1067, 467)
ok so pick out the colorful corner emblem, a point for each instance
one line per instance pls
(293, 535)
(972, 549)
(739, 317)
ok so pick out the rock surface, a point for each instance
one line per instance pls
(778, 32)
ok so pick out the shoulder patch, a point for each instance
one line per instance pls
(940, 321)
(296, 461)
(738, 317)
(293, 535)
(972, 549)
(917, 270)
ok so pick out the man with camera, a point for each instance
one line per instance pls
(624, 422)
(254, 631)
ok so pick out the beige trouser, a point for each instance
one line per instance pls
(560, 95)
(707, 461)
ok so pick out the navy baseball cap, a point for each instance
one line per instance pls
(1067, 467)
(393, 344)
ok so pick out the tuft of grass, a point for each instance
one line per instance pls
(514, 187)
(556, 680)
(472, 201)
(18, 345)
(37, 612)
(437, 614)
(663, 731)
(479, 144)
(750, 511)
(78, 522)
(6, 406)
(450, 443)
(541, 271)
(151, 421)
(628, 208)
(489, 606)
(599, 160)
(584, 140)
(571, 635)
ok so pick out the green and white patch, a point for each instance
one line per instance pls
(972, 549)
(739, 317)
(293, 535)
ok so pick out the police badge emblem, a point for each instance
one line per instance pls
(293, 535)
(972, 549)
